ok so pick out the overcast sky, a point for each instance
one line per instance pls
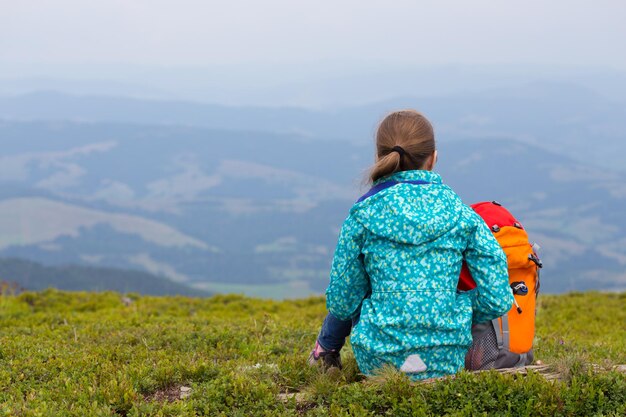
(40, 35)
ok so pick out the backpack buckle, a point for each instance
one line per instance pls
(536, 260)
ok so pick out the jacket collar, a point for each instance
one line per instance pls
(417, 175)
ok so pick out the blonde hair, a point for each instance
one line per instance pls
(409, 130)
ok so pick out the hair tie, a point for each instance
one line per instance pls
(398, 149)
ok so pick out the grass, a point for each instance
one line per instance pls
(89, 354)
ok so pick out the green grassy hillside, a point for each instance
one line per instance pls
(88, 354)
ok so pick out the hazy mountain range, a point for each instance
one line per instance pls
(250, 199)
(324, 86)
(568, 119)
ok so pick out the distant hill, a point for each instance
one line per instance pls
(258, 213)
(34, 276)
(565, 118)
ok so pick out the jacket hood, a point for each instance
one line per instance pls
(410, 213)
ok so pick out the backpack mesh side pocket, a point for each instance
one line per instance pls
(484, 350)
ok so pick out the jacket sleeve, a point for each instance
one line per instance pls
(488, 265)
(349, 283)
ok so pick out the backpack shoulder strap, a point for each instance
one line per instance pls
(501, 327)
(496, 328)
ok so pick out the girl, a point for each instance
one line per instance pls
(396, 267)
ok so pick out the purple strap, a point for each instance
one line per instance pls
(384, 185)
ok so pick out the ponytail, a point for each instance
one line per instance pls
(386, 165)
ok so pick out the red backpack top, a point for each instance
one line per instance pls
(496, 218)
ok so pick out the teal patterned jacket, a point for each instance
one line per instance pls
(398, 261)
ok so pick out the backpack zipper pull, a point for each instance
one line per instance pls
(518, 288)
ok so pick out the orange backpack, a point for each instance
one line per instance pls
(507, 341)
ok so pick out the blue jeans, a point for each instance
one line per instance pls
(334, 332)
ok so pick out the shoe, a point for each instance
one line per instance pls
(325, 358)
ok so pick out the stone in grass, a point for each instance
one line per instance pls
(184, 392)
(299, 397)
